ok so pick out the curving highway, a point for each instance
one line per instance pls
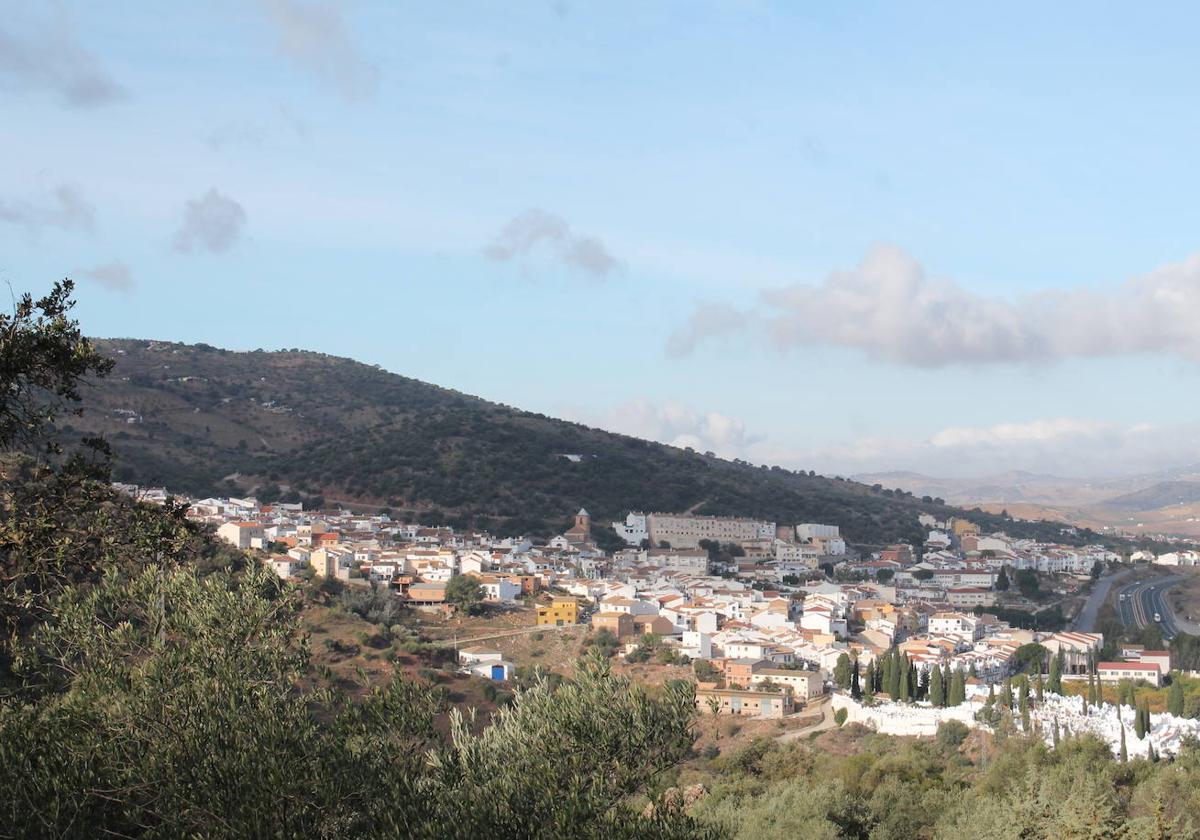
(1138, 603)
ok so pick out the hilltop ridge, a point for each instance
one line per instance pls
(326, 429)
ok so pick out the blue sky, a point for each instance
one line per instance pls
(845, 237)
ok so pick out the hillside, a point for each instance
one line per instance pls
(306, 425)
(1166, 501)
(1161, 495)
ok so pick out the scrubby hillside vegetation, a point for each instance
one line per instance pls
(324, 429)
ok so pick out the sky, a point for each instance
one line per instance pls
(842, 237)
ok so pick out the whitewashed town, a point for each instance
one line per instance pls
(774, 618)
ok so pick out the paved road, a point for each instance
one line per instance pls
(1138, 603)
(1085, 621)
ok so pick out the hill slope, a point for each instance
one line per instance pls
(202, 420)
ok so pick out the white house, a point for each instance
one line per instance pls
(484, 662)
(500, 590)
(955, 625)
(633, 530)
(695, 645)
(286, 567)
(243, 535)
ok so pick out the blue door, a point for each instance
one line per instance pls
(498, 672)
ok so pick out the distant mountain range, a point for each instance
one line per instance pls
(322, 429)
(1166, 500)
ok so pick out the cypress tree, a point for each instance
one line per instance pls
(841, 672)
(1124, 749)
(958, 688)
(937, 691)
(1006, 695)
(1139, 724)
(870, 689)
(855, 686)
(1175, 697)
(1024, 701)
(1041, 688)
(923, 683)
(1055, 734)
(1055, 685)
(946, 680)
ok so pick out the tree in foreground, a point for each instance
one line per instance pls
(465, 593)
(167, 704)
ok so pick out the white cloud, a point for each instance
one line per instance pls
(313, 35)
(1037, 431)
(707, 321)
(113, 275)
(212, 223)
(1059, 446)
(525, 232)
(62, 207)
(889, 308)
(678, 425)
(52, 59)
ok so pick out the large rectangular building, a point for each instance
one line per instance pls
(682, 530)
(730, 701)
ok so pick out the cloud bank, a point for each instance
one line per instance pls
(62, 207)
(526, 232)
(212, 223)
(1066, 446)
(707, 321)
(52, 60)
(113, 275)
(890, 309)
(314, 37)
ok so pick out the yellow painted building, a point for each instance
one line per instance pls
(560, 611)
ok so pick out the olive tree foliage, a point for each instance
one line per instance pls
(166, 704)
(44, 361)
(560, 764)
(60, 523)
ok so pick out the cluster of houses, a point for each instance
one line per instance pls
(1186, 557)
(772, 626)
